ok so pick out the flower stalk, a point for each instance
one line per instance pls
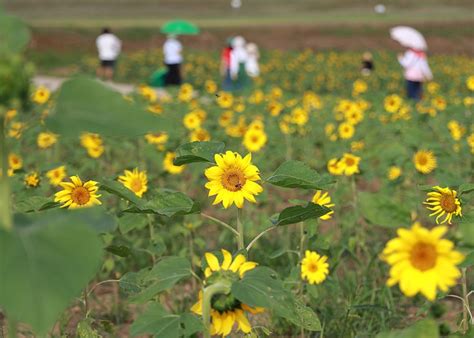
(5, 203)
(240, 230)
(220, 287)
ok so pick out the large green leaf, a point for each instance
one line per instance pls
(465, 188)
(466, 228)
(198, 152)
(158, 322)
(296, 174)
(118, 189)
(380, 210)
(44, 263)
(129, 222)
(426, 328)
(14, 34)
(35, 203)
(260, 287)
(86, 104)
(298, 213)
(164, 275)
(168, 203)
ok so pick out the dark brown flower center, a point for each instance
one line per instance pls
(80, 195)
(448, 203)
(349, 161)
(423, 256)
(233, 180)
(422, 159)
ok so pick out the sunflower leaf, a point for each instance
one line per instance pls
(426, 328)
(198, 152)
(297, 174)
(383, 211)
(118, 189)
(465, 188)
(466, 228)
(298, 213)
(14, 34)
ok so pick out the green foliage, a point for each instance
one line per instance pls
(14, 34)
(128, 222)
(298, 213)
(466, 228)
(47, 265)
(381, 210)
(198, 152)
(426, 328)
(35, 203)
(297, 174)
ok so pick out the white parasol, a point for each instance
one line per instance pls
(408, 37)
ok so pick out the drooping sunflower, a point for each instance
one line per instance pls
(325, 200)
(135, 180)
(422, 261)
(443, 201)
(233, 179)
(425, 161)
(46, 140)
(32, 179)
(169, 166)
(254, 140)
(56, 175)
(226, 311)
(314, 267)
(350, 164)
(76, 194)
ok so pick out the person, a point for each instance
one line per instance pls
(251, 66)
(416, 71)
(225, 66)
(367, 64)
(172, 50)
(238, 60)
(108, 46)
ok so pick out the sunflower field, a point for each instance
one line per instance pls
(317, 202)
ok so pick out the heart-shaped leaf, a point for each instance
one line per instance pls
(297, 174)
(198, 152)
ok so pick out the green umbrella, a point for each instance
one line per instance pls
(179, 27)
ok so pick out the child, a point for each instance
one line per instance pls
(417, 71)
(252, 68)
(108, 46)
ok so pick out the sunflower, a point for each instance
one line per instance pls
(56, 175)
(147, 92)
(169, 166)
(46, 140)
(346, 130)
(200, 135)
(422, 261)
(210, 86)
(10, 115)
(392, 103)
(325, 200)
(425, 161)
(76, 194)
(158, 138)
(443, 201)
(32, 180)
(192, 121)
(225, 100)
(233, 179)
(275, 108)
(394, 172)
(357, 145)
(314, 267)
(93, 144)
(470, 82)
(155, 109)
(254, 140)
(15, 162)
(16, 129)
(226, 311)
(350, 164)
(41, 95)
(135, 180)
(335, 167)
(226, 118)
(299, 116)
(185, 92)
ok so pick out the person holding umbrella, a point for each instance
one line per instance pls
(414, 60)
(172, 48)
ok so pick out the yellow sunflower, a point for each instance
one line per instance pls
(15, 162)
(159, 138)
(470, 82)
(185, 92)
(233, 179)
(56, 175)
(346, 130)
(32, 180)
(425, 161)
(147, 92)
(443, 201)
(392, 103)
(93, 144)
(46, 140)
(254, 140)
(41, 95)
(210, 86)
(422, 261)
(394, 172)
(135, 180)
(192, 121)
(169, 166)
(314, 267)
(200, 135)
(350, 164)
(76, 194)
(335, 167)
(225, 100)
(226, 311)
(226, 118)
(155, 109)
(325, 200)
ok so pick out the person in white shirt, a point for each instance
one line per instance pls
(252, 68)
(108, 46)
(416, 71)
(172, 50)
(238, 61)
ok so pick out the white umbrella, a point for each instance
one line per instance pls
(408, 37)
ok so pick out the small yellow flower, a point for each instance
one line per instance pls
(32, 180)
(425, 161)
(46, 140)
(325, 200)
(314, 267)
(443, 201)
(350, 164)
(41, 95)
(394, 172)
(56, 175)
(192, 121)
(169, 166)
(135, 180)
(200, 135)
(76, 194)
(15, 162)
(254, 140)
(346, 130)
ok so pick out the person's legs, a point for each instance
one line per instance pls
(173, 76)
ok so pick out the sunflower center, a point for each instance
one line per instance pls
(80, 195)
(254, 139)
(312, 267)
(233, 180)
(136, 184)
(448, 203)
(423, 256)
(422, 159)
(350, 162)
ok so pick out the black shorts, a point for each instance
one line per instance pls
(107, 63)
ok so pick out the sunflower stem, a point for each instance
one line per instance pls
(465, 320)
(5, 207)
(258, 237)
(240, 230)
(218, 221)
(220, 287)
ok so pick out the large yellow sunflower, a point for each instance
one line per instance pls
(425, 161)
(135, 180)
(325, 200)
(77, 194)
(314, 267)
(233, 179)
(226, 311)
(422, 261)
(443, 201)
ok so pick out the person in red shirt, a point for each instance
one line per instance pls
(227, 83)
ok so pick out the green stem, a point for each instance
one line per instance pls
(5, 203)
(218, 221)
(465, 319)
(152, 235)
(11, 328)
(258, 237)
(240, 230)
(221, 287)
